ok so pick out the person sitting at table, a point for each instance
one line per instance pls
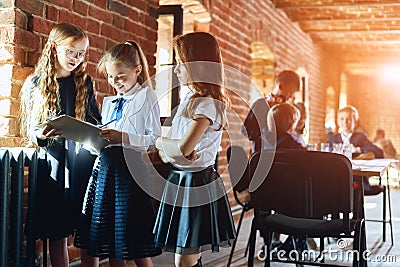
(389, 151)
(283, 118)
(385, 144)
(286, 84)
(346, 121)
(298, 135)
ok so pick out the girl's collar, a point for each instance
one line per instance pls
(346, 135)
(131, 93)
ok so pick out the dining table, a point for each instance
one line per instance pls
(369, 168)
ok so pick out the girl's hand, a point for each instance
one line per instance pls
(111, 135)
(48, 132)
(163, 157)
(192, 156)
(356, 149)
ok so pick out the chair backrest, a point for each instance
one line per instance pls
(238, 166)
(304, 184)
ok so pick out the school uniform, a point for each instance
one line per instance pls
(358, 140)
(117, 215)
(287, 141)
(64, 167)
(194, 214)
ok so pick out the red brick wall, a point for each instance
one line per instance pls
(11, 59)
(378, 106)
(24, 30)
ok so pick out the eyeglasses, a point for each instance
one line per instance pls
(71, 53)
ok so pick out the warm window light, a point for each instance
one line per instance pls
(5, 78)
(163, 81)
(391, 74)
(330, 125)
(4, 54)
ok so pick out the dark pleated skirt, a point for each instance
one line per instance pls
(190, 221)
(58, 205)
(117, 215)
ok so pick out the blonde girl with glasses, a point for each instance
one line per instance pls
(59, 85)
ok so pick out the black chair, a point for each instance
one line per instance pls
(305, 194)
(385, 190)
(239, 175)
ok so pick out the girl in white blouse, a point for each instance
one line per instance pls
(117, 215)
(194, 214)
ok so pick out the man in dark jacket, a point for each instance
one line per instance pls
(286, 83)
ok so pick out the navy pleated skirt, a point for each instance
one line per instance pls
(117, 215)
(59, 201)
(190, 219)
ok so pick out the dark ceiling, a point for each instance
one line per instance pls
(365, 34)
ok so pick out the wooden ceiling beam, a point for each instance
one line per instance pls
(362, 34)
(343, 20)
(289, 4)
(364, 44)
(334, 32)
(350, 25)
(343, 13)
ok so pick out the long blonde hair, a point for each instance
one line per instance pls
(45, 79)
(201, 50)
(130, 54)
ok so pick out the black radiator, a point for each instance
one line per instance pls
(12, 163)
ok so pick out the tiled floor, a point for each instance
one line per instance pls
(379, 249)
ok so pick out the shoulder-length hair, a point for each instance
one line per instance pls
(201, 56)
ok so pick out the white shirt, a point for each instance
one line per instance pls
(346, 138)
(209, 143)
(140, 117)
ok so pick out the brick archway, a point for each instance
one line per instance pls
(262, 70)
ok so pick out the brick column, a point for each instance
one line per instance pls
(15, 44)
